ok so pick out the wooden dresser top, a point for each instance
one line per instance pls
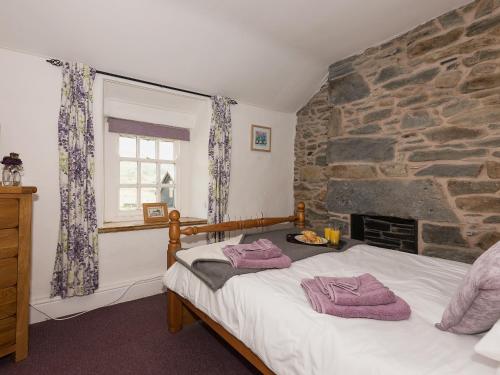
(17, 189)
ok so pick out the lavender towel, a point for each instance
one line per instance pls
(260, 249)
(321, 303)
(349, 284)
(237, 261)
(370, 291)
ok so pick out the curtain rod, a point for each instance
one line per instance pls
(57, 62)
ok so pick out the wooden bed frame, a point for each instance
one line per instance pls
(176, 304)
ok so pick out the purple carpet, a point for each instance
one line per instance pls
(129, 338)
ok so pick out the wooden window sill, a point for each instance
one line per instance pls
(128, 226)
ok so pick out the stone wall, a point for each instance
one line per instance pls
(411, 129)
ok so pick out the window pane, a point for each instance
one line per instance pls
(128, 199)
(148, 173)
(148, 149)
(148, 195)
(167, 173)
(128, 172)
(127, 147)
(166, 150)
(167, 194)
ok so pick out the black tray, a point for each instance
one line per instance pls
(291, 238)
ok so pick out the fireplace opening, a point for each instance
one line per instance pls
(387, 232)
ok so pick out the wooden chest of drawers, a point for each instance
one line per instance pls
(15, 254)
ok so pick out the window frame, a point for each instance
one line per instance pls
(112, 212)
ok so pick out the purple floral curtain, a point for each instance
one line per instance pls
(76, 269)
(219, 163)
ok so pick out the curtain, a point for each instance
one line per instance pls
(219, 163)
(76, 268)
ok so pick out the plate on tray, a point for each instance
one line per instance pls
(301, 238)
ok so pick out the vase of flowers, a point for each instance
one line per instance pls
(12, 168)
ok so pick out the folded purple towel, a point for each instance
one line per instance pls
(349, 284)
(320, 302)
(260, 249)
(370, 291)
(237, 261)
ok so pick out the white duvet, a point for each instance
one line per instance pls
(269, 312)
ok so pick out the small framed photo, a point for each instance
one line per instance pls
(155, 212)
(261, 138)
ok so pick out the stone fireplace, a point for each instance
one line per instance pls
(411, 129)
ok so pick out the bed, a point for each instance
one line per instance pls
(266, 317)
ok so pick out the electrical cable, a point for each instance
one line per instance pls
(100, 307)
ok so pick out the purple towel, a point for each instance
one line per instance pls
(349, 284)
(260, 249)
(370, 291)
(237, 261)
(321, 303)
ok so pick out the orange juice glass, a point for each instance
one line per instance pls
(335, 236)
(328, 232)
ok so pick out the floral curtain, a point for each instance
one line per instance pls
(76, 271)
(219, 163)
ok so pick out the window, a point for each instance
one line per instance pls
(140, 170)
(147, 172)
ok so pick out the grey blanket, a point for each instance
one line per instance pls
(215, 273)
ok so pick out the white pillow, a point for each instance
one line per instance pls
(212, 251)
(489, 345)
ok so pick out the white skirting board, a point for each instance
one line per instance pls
(57, 307)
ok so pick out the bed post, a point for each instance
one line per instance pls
(174, 304)
(300, 222)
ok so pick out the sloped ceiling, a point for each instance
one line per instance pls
(271, 53)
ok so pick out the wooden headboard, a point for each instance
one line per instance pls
(175, 230)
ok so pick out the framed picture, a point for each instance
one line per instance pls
(261, 138)
(155, 212)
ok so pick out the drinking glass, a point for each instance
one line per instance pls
(335, 236)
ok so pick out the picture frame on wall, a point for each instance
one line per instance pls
(260, 138)
(155, 212)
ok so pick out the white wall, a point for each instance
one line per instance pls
(29, 105)
(261, 182)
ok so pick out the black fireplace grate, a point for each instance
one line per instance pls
(387, 232)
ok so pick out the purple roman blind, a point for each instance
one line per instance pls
(119, 125)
